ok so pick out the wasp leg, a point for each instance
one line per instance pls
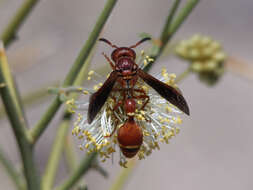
(143, 96)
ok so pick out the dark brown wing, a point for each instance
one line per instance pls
(166, 91)
(98, 99)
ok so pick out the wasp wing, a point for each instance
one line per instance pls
(166, 91)
(98, 99)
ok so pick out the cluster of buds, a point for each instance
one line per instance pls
(205, 55)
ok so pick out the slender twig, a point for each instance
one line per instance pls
(78, 173)
(165, 31)
(69, 153)
(173, 26)
(18, 126)
(52, 165)
(4, 66)
(12, 171)
(183, 75)
(83, 55)
(49, 175)
(123, 176)
(9, 33)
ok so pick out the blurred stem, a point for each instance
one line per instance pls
(50, 172)
(9, 33)
(183, 75)
(123, 176)
(4, 66)
(52, 165)
(173, 26)
(84, 166)
(70, 154)
(83, 55)
(12, 172)
(18, 126)
(165, 31)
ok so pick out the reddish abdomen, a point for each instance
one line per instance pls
(130, 138)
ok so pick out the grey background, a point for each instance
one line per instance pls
(214, 148)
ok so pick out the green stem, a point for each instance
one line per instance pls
(9, 34)
(70, 154)
(173, 25)
(13, 173)
(52, 165)
(84, 166)
(4, 66)
(182, 16)
(83, 55)
(49, 175)
(164, 34)
(183, 75)
(18, 126)
(123, 176)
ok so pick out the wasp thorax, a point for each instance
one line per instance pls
(123, 52)
(130, 138)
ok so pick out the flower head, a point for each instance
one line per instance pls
(205, 55)
(158, 119)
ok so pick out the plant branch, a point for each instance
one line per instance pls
(18, 127)
(173, 25)
(52, 165)
(83, 55)
(4, 66)
(13, 173)
(183, 75)
(78, 173)
(123, 176)
(49, 175)
(9, 33)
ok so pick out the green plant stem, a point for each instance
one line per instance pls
(183, 75)
(12, 172)
(4, 66)
(173, 26)
(69, 154)
(18, 126)
(78, 173)
(164, 34)
(9, 33)
(52, 165)
(123, 176)
(83, 55)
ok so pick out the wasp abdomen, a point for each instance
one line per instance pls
(130, 138)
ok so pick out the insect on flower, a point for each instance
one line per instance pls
(123, 82)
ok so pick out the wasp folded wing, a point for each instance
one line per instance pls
(98, 99)
(166, 91)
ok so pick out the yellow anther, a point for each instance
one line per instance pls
(91, 72)
(85, 92)
(145, 62)
(81, 148)
(95, 87)
(88, 78)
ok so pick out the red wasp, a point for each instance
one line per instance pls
(126, 73)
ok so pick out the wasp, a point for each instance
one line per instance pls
(126, 73)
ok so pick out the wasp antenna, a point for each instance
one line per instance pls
(108, 42)
(141, 41)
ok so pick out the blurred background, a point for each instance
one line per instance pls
(214, 148)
